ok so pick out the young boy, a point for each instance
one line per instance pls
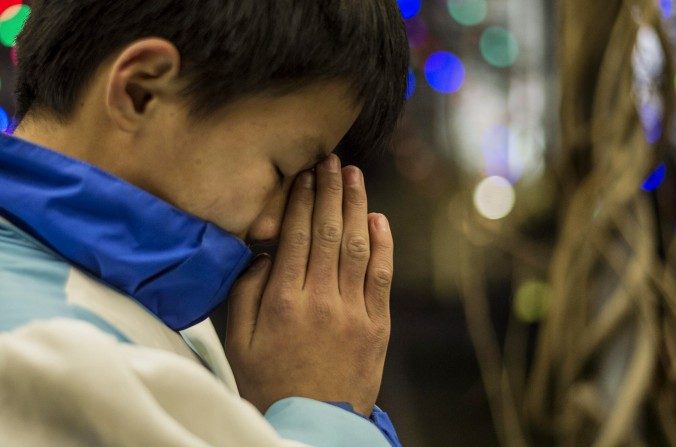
(157, 140)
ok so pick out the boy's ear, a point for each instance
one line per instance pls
(143, 75)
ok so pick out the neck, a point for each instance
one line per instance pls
(83, 141)
(44, 133)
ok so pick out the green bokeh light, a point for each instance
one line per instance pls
(532, 301)
(499, 46)
(467, 12)
(11, 28)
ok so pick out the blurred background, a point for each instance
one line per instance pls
(470, 161)
(499, 156)
(527, 311)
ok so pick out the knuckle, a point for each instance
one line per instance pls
(357, 246)
(382, 276)
(356, 198)
(329, 232)
(283, 306)
(334, 186)
(379, 334)
(299, 238)
(386, 246)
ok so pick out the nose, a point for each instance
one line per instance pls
(267, 226)
(265, 231)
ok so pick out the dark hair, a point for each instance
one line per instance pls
(229, 48)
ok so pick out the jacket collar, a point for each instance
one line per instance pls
(176, 265)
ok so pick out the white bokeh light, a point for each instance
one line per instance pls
(494, 197)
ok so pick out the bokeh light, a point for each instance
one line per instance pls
(467, 12)
(5, 4)
(4, 120)
(499, 46)
(532, 301)
(655, 179)
(444, 72)
(648, 62)
(666, 6)
(410, 84)
(651, 119)
(495, 151)
(409, 8)
(12, 21)
(482, 104)
(494, 197)
(512, 152)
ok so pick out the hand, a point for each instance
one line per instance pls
(317, 323)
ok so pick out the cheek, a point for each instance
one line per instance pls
(227, 185)
(237, 202)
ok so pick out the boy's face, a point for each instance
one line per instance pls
(133, 122)
(226, 170)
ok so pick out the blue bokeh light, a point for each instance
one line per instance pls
(444, 72)
(4, 120)
(655, 179)
(667, 8)
(409, 8)
(653, 133)
(410, 84)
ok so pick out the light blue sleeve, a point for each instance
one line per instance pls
(320, 424)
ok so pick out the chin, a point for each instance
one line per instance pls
(262, 239)
(239, 234)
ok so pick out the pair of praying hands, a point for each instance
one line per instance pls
(316, 322)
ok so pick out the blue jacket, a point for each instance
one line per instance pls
(80, 244)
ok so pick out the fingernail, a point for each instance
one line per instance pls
(382, 223)
(331, 163)
(259, 262)
(352, 176)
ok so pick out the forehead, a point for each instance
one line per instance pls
(310, 120)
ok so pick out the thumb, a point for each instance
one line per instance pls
(244, 301)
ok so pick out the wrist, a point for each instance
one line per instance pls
(316, 422)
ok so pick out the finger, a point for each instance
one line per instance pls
(293, 251)
(327, 224)
(380, 269)
(244, 302)
(355, 250)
